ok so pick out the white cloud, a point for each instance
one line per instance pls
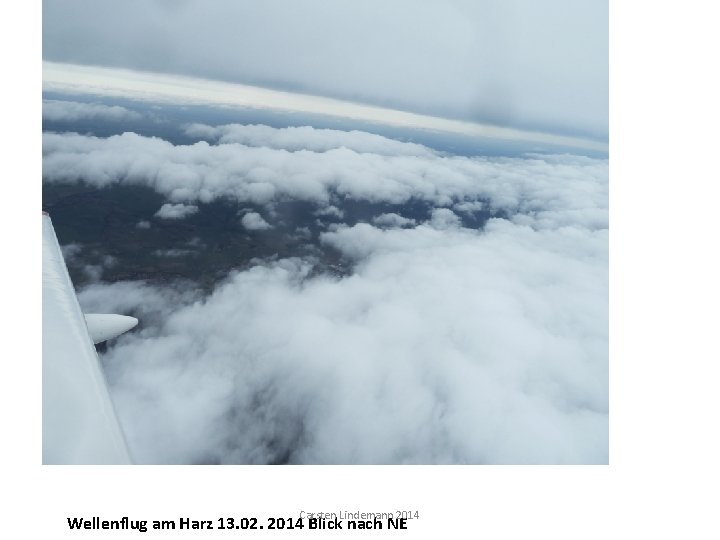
(547, 191)
(445, 346)
(444, 218)
(253, 221)
(151, 304)
(303, 233)
(178, 90)
(71, 251)
(469, 207)
(176, 211)
(330, 211)
(306, 138)
(93, 272)
(393, 220)
(71, 111)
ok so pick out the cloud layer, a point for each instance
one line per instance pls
(542, 191)
(445, 345)
(516, 63)
(72, 111)
(305, 138)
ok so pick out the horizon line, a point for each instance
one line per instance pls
(182, 89)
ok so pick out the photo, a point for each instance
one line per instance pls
(338, 233)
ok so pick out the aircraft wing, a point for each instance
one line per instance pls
(79, 424)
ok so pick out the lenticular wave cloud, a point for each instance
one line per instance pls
(445, 344)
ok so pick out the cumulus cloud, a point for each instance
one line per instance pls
(253, 221)
(392, 220)
(330, 211)
(72, 111)
(469, 207)
(444, 344)
(305, 138)
(175, 211)
(444, 218)
(544, 191)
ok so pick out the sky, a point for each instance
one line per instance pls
(516, 64)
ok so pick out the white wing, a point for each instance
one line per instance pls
(79, 422)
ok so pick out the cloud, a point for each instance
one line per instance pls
(442, 344)
(181, 91)
(305, 138)
(93, 272)
(331, 212)
(515, 63)
(70, 251)
(444, 218)
(72, 111)
(151, 304)
(469, 207)
(543, 191)
(392, 220)
(175, 211)
(253, 221)
(445, 346)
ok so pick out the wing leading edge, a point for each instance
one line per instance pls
(79, 424)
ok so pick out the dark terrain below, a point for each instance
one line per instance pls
(99, 229)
